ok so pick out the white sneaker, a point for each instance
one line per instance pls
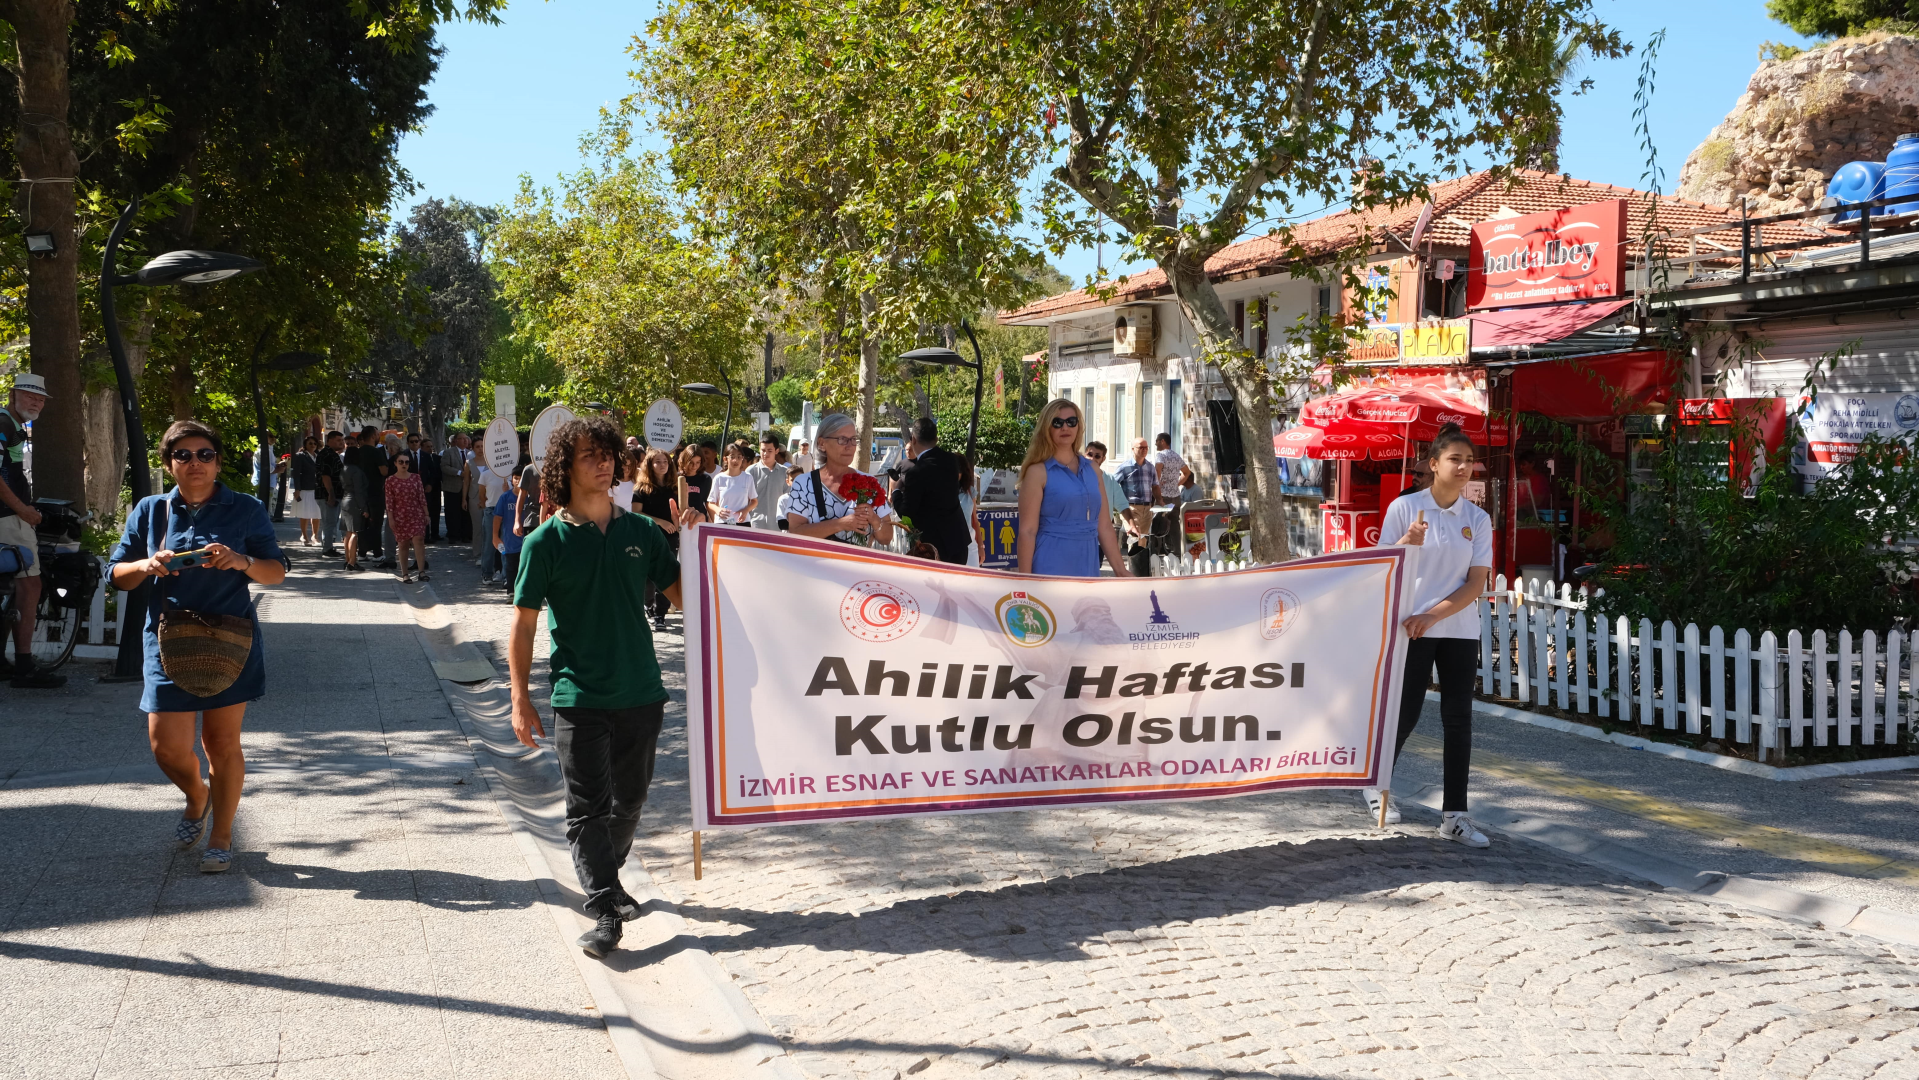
(1457, 826)
(1373, 797)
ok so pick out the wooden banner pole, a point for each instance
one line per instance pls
(1385, 800)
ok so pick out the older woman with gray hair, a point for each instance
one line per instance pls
(836, 501)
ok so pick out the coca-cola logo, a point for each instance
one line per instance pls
(1452, 418)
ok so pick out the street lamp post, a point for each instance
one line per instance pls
(173, 268)
(945, 357)
(709, 390)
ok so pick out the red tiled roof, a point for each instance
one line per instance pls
(1457, 204)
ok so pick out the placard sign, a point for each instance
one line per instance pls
(502, 445)
(1572, 254)
(1834, 425)
(662, 426)
(550, 417)
(830, 682)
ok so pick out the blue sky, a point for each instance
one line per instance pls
(516, 98)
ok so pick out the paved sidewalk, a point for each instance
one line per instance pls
(1266, 936)
(378, 921)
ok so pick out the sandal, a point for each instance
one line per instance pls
(214, 860)
(188, 831)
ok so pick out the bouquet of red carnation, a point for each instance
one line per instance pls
(862, 489)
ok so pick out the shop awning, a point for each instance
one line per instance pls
(1345, 440)
(1536, 326)
(1592, 388)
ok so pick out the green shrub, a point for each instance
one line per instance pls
(1691, 547)
(1002, 436)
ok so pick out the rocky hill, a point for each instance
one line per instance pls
(1801, 119)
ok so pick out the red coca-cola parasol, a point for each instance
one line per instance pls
(1415, 411)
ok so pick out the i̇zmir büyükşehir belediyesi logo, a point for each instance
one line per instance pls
(1025, 619)
(879, 611)
(1278, 611)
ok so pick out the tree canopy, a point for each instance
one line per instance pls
(603, 276)
(823, 142)
(433, 363)
(1841, 18)
(269, 130)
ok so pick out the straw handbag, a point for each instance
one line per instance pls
(202, 653)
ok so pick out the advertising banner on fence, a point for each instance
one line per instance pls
(1834, 425)
(828, 681)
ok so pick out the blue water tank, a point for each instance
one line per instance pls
(1902, 174)
(1857, 182)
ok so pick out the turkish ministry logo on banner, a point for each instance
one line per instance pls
(879, 611)
(1572, 254)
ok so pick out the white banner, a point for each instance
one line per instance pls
(829, 681)
(1834, 425)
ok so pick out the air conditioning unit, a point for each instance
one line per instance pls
(1133, 332)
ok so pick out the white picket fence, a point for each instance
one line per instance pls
(1550, 648)
(1187, 566)
(1553, 649)
(99, 632)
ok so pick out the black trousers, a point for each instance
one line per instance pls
(1458, 662)
(370, 528)
(432, 515)
(606, 761)
(458, 523)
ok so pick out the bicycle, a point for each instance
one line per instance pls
(68, 579)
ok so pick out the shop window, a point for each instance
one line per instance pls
(1229, 452)
(1146, 413)
(1176, 415)
(1444, 299)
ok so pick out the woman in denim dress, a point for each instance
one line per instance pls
(239, 550)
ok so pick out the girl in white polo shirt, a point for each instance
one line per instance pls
(1455, 539)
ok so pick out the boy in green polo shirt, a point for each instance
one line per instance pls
(590, 564)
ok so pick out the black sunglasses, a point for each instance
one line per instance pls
(205, 453)
(1065, 421)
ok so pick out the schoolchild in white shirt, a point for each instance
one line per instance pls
(1455, 538)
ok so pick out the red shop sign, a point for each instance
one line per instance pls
(1572, 254)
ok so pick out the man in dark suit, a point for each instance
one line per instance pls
(929, 493)
(427, 464)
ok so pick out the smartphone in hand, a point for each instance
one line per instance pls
(187, 560)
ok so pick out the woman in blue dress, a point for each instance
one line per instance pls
(237, 550)
(1064, 522)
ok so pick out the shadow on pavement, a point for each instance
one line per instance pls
(1048, 920)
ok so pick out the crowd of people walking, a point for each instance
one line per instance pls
(593, 539)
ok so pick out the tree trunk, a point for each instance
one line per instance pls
(106, 450)
(180, 389)
(45, 149)
(1252, 386)
(869, 382)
